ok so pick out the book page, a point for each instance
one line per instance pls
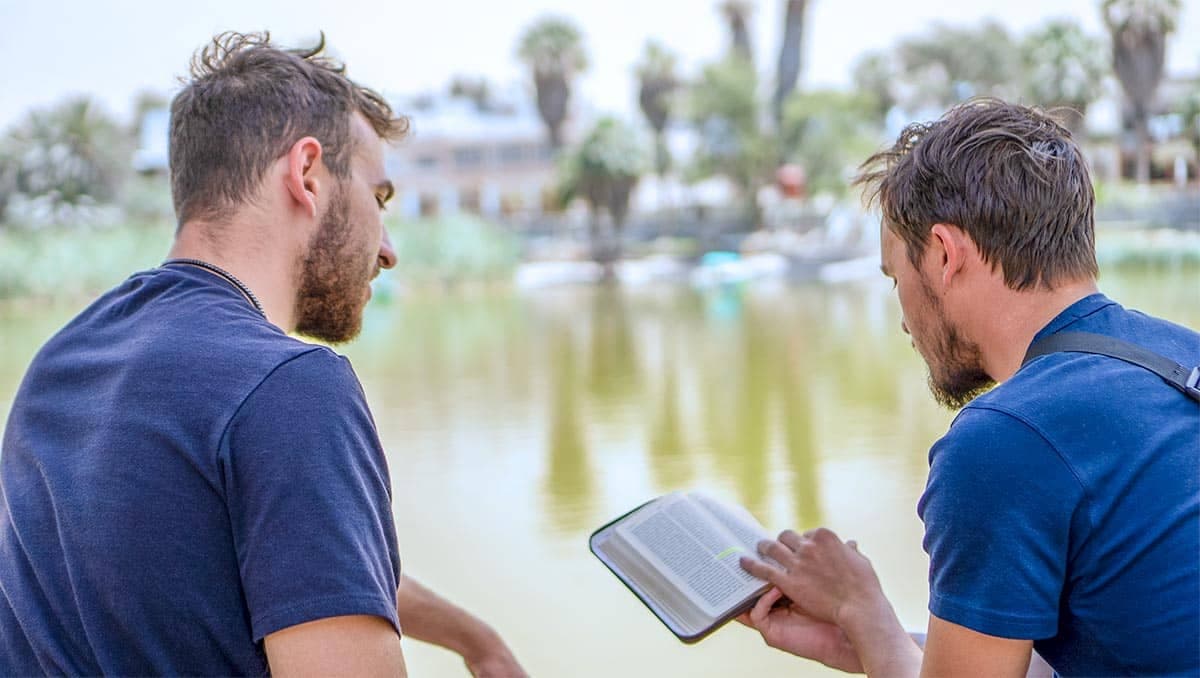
(737, 520)
(697, 553)
(667, 601)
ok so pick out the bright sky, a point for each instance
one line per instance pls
(114, 48)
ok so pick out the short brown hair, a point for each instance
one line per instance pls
(246, 104)
(1010, 176)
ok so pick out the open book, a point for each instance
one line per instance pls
(679, 554)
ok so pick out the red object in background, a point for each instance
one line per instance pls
(791, 180)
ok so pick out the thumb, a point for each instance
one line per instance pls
(762, 609)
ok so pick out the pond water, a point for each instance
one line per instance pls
(517, 423)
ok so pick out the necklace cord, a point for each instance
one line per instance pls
(220, 272)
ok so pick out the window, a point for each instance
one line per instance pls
(468, 157)
(512, 154)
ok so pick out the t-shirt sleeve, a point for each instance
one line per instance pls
(998, 511)
(309, 498)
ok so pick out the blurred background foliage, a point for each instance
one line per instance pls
(66, 171)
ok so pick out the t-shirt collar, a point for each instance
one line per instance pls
(1080, 309)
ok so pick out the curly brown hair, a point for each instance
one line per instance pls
(1010, 176)
(246, 103)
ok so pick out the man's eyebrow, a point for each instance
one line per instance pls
(387, 187)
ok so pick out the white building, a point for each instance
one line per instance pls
(494, 160)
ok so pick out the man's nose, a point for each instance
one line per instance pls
(387, 253)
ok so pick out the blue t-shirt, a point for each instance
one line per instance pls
(178, 479)
(1063, 506)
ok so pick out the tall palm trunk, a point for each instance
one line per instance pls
(654, 103)
(737, 14)
(1139, 42)
(552, 95)
(1138, 59)
(788, 72)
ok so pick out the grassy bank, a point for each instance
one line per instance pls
(451, 252)
(69, 263)
(61, 263)
(1153, 247)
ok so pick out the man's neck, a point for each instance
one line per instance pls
(268, 272)
(1010, 324)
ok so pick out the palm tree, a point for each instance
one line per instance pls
(657, 83)
(1064, 67)
(789, 55)
(1139, 30)
(737, 15)
(553, 49)
(604, 171)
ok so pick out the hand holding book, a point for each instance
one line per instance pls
(839, 616)
(697, 562)
(785, 626)
(680, 555)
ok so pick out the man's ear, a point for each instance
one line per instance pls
(952, 247)
(302, 162)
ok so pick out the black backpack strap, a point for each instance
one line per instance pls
(1179, 377)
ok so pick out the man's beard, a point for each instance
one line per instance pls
(956, 374)
(333, 279)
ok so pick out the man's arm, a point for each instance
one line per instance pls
(428, 617)
(953, 650)
(362, 645)
(1038, 668)
(356, 645)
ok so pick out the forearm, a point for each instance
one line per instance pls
(884, 647)
(428, 617)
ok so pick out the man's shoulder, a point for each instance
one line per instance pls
(1162, 336)
(1167, 338)
(173, 338)
(987, 438)
(314, 367)
(1094, 382)
(1080, 404)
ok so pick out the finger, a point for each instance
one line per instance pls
(824, 536)
(762, 608)
(790, 539)
(777, 551)
(764, 571)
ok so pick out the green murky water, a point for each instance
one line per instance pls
(516, 423)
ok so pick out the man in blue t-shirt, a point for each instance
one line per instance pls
(1062, 511)
(185, 489)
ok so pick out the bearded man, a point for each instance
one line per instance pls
(185, 489)
(1062, 510)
